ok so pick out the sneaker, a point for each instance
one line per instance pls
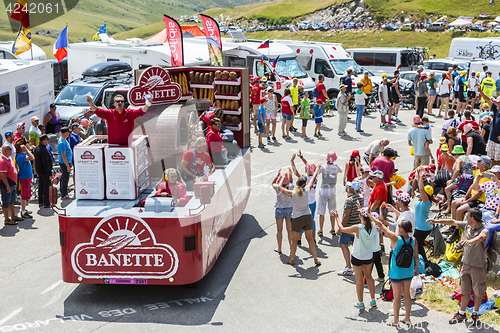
(268, 139)
(299, 243)
(474, 319)
(382, 247)
(319, 134)
(261, 145)
(458, 318)
(433, 161)
(343, 134)
(359, 305)
(26, 215)
(274, 138)
(383, 125)
(373, 303)
(316, 135)
(380, 279)
(28, 211)
(360, 130)
(346, 271)
(397, 120)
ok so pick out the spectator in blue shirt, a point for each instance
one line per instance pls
(65, 157)
(497, 83)
(74, 137)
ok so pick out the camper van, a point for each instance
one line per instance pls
(466, 48)
(36, 53)
(382, 59)
(137, 53)
(238, 52)
(329, 59)
(26, 90)
(493, 66)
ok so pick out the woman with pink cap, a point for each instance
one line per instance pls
(301, 214)
(283, 207)
(310, 168)
(327, 191)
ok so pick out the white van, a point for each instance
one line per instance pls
(238, 52)
(329, 59)
(476, 65)
(36, 53)
(469, 48)
(26, 90)
(382, 59)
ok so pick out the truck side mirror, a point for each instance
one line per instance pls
(329, 73)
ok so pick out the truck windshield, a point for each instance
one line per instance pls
(341, 65)
(75, 95)
(290, 67)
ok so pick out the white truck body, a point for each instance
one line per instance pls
(247, 54)
(493, 66)
(135, 52)
(329, 59)
(381, 59)
(26, 90)
(466, 48)
(36, 52)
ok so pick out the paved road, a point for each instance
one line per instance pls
(249, 289)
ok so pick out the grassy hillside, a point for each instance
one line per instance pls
(123, 15)
(380, 9)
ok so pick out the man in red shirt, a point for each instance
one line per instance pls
(322, 95)
(256, 96)
(120, 121)
(8, 184)
(379, 192)
(20, 129)
(468, 120)
(215, 143)
(207, 117)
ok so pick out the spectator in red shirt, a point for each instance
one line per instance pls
(120, 120)
(215, 143)
(379, 192)
(20, 129)
(194, 161)
(173, 186)
(287, 111)
(8, 185)
(322, 95)
(468, 120)
(207, 116)
(257, 89)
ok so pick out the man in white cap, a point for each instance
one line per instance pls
(20, 129)
(374, 149)
(34, 132)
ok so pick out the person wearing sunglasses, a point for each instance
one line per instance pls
(120, 121)
(215, 144)
(20, 129)
(174, 187)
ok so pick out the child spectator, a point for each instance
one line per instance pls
(261, 119)
(318, 118)
(305, 106)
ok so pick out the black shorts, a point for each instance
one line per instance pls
(461, 97)
(395, 99)
(474, 204)
(357, 262)
(471, 94)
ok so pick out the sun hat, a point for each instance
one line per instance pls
(403, 196)
(84, 122)
(285, 178)
(377, 173)
(355, 185)
(363, 211)
(458, 149)
(310, 167)
(495, 168)
(264, 79)
(331, 157)
(416, 119)
(485, 159)
(429, 189)
(342, 86)
(444, 147)
(486, 105)
(384, 75)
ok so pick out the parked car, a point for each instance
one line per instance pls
(478, 27)
(408, 27)
(437, 26)
(271, 28)
(442, 65)
(391, 27)
(497, 28)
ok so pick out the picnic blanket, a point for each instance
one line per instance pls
(448, 272)
(484, 307)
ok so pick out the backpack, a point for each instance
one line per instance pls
(386, 293)
(342, 79)
(315, 92)
(405, 254)
(432, 269)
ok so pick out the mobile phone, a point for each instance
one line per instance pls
(487, 175)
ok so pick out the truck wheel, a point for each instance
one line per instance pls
(333, 95)
(278, 98)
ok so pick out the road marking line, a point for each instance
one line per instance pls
(51, 287)
(10, 316)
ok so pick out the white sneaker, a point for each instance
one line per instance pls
(346, 271)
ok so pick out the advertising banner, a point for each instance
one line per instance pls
(214, 40)
(174, 35)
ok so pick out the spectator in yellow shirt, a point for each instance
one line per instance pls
(367, 87)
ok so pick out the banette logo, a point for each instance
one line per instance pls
(124, 247)
(87, 155)
(83, 191)
(118, 155)
(156, 82)
(113, 191)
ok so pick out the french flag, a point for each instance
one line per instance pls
(61, 44)
(264, 45)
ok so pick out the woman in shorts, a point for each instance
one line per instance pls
(444, 94)
(271, 109)
(400, 277)
(432, 84)
(364, 244)
(301, 214)
(23, 160)
(283, 207)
